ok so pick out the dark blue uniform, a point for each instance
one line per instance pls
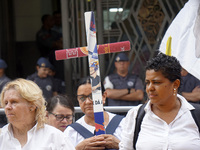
(188, 83)
(45, 38)
(118, 82)
(3, 80)
(60, 86)
(47, 85)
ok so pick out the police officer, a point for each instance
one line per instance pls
(190, 87)
(3, 80)
(123, 88)
(47, 39)
(60, 84)
(41, 78)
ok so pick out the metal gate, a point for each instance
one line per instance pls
(142, 22)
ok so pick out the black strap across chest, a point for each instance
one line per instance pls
(110, 129)
(195, 114)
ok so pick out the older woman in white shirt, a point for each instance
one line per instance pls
(168, 123)
(25, 110)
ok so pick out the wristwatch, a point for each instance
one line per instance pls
(129, 90)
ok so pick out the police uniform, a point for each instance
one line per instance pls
(188, 83)
(130, 81)
(47, 85)
(3, 80)
(59, 84)
(115, 81)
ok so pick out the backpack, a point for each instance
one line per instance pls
(195, 114)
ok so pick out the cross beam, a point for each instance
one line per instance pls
(92, 51)
(83, 51)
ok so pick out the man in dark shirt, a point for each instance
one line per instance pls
(47, 39)
(190, 87)
(60, 84)
(123, 88)
(41, 78)
(3, 80)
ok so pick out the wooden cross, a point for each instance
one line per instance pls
(92, 51)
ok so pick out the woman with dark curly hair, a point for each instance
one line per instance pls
(168, 122)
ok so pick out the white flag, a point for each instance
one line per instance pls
(185, 33)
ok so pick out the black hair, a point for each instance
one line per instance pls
(63, 100)
(168, 65)
(84, 80)
(44, 17)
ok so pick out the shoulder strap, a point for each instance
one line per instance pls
(139, 118)
(113, 124)
(81, 130)
(109, 130)
(196, 114)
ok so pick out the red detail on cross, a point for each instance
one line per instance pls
(83, 51)
(99, 127)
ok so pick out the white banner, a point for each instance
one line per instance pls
(183, 38)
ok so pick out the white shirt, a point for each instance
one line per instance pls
(155, 134)
(47, 138)
(76, 138)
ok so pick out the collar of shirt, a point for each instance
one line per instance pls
(184, 105)
(8, 128)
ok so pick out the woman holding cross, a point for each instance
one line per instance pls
(82, 133)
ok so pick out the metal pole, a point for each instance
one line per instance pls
(107, 108)
(110, 109)
(99, 25)
(66, 44)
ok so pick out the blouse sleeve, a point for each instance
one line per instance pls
(128, 130)
(68, 145)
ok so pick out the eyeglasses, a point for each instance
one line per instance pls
(60, 117)
(82, 98)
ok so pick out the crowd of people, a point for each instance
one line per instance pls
(39, 114)
(82, 132)
(40, 117)
(35, 121)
